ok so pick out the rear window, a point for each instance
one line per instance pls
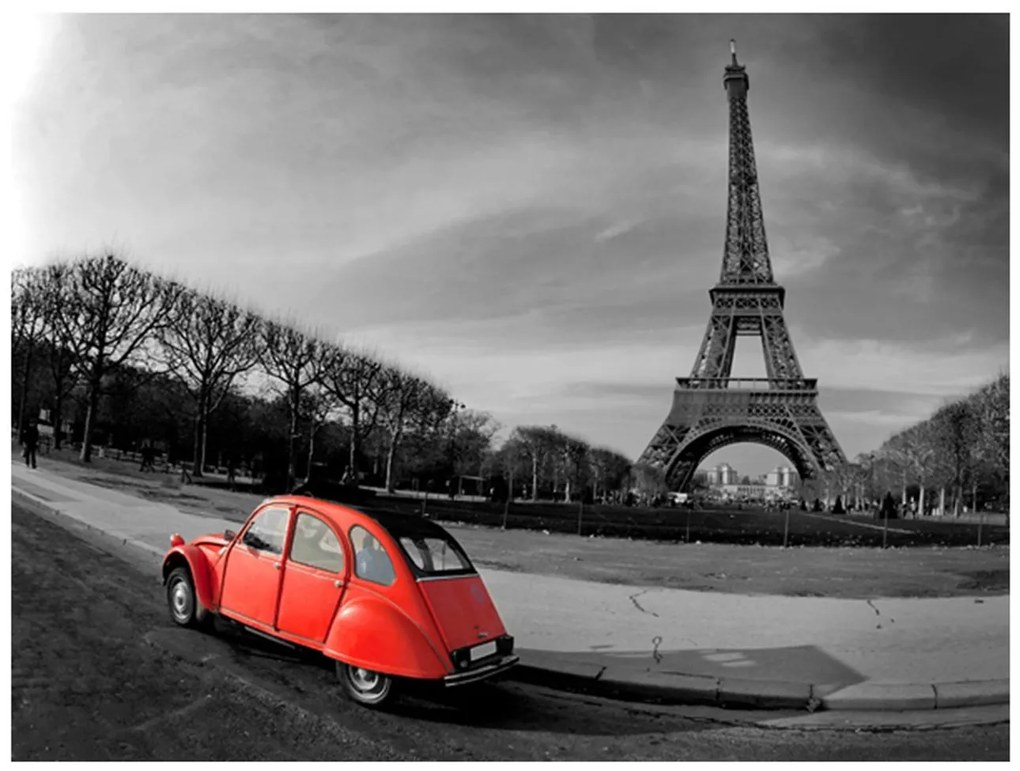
(433, 555)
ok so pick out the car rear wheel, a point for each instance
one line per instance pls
(373, 689)
(181, 598)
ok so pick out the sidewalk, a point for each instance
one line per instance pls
(673, 645)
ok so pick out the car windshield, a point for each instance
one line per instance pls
(434, 555)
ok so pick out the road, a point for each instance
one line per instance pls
(100, 673)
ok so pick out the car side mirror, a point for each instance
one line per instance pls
(229, 535)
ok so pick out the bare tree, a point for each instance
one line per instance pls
(355, 379)
(955, 436)
(60, 359)
(208, 343)
(993, 412)
(27, 325)
(297, 360)
(320, 405)
(108, 312)
(538, 443)
(403, 397)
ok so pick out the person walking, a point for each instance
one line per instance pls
(30, 441)
(148, 456)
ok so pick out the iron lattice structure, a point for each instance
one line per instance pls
(711, 409)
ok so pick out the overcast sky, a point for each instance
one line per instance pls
(531, 209)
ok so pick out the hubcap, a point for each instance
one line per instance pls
(371, 687)
(180, 599)
(365, 679)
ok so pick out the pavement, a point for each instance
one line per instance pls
(840, 662)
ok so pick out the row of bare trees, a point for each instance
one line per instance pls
(549, 463)
(959, 455)
(86, 319)
(86, 327)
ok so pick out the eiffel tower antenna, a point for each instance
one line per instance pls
(711, 409)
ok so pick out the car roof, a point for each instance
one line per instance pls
(344, 516)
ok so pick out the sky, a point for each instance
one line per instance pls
(530, 209)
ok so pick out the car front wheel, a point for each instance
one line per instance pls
(181, 598)
(365, 686)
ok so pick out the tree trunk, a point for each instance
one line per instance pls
(90, 418)
(509, 497)
(292, 439)
(920, 499)
(942, 501)
(24, 388)
(534, 477)
(58, 413)
(353, 450)
(311, 448)
(390, 455)
(196, 442)
(204, 436)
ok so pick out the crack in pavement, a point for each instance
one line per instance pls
(633, 598)
(872, 606)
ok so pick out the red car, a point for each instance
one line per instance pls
(387, 596)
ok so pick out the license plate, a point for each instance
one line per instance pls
(483, 650)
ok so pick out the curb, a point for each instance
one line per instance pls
(53, 511)
(676, 688)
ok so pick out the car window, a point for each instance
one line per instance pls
(433, 554)
(268, 531)
(371, 561)
(315, 544)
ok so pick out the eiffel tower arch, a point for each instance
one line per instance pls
(711, 409)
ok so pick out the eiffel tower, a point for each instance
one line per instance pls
(710, 408)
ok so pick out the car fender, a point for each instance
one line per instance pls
(196, 562)
(373, 633)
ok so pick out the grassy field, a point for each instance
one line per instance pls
(852, 570)
(750, 527)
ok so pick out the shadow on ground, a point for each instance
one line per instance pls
(794, 664)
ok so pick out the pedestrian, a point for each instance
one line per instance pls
(148, 456)
(30, 442)
(888, 509)
(231, 478)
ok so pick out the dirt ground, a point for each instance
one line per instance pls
(858, 572)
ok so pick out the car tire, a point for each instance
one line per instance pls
(366, 687)
(182, 601)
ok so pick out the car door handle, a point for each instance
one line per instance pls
(338, 584)
(276, 565)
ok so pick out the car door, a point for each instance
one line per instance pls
(314, 579)
(251, 577)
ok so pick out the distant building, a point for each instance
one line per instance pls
(723, 474)
(781, 476)
(779, 483)
(727, 474)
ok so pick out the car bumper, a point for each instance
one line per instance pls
(483, 672)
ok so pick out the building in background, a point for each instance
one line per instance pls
(724, 484)
(723, 474)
